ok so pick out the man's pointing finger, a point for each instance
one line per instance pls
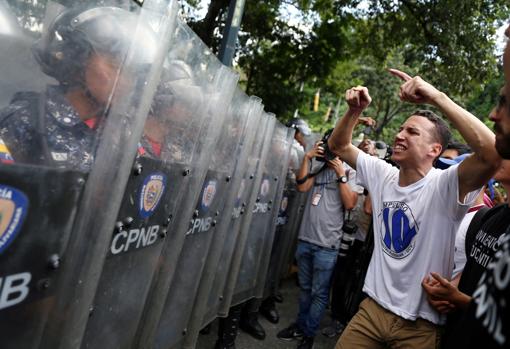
(400, 74)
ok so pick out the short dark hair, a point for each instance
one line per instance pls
(461, 148)
(441, 132)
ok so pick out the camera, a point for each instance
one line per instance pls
(349, 229)
(328, 155)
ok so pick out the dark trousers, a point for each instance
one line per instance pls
(344, 277)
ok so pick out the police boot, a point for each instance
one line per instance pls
(278, 297)
(269, 311)
(220, 345)
(227, 330)
(250, 324)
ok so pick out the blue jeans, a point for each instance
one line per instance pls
(315, 267)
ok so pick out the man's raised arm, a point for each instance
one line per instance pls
(339, 143)
(476, 170)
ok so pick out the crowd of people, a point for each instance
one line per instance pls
(439, 275)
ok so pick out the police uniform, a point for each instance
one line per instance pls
(44, 129)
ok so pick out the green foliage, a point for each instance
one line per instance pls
(337, 44)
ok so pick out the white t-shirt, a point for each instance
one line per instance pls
(414, 234)
(460, 259)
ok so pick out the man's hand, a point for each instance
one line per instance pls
(440, 289)
(442, 307)
(317, 150)
(338, 166)
(415, 89)
(436, 297)
(367, 121)
(358, 99)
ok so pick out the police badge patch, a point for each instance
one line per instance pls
(208, 194)
(152, 190)
(13, 210)
(284, 204)
(264, 188)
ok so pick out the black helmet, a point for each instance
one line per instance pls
(75, 34)
(177, 85)
(300, 125)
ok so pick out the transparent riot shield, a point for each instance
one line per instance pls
(67, 129)
(289, 219)
(246, 196)
(278, 165)
(221, 249)
(170, 157)
(202, 229)
(297, 154)
(287, 214)
(207, 187)
(260, 197)
(253, 266)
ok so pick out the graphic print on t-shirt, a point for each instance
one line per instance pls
(491, 297)
(400, 229)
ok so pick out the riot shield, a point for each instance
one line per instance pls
(287, 215)
(207, 187)
(245, 198)
(278, 164)
(263, 193)
(202, 229)
(253, 266)
(66, 131)
(290, 219)
(153, 199)
(222, 246)
(297, 155)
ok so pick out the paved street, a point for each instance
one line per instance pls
(288, 310)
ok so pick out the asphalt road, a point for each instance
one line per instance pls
(288, 311)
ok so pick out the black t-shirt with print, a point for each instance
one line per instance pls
(486, 322)
(481, 247)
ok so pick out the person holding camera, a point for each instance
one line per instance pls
(319, 237)
(348, 267)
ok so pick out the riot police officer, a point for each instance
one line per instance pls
(82, 50)
(302, 130)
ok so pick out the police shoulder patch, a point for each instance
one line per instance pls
(151, 192)
(208, 194)
(13, 210)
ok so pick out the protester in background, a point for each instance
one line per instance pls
(455, 149)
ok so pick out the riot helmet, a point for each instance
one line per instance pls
(77, 34)
(300, 125)
(302, 130)
(177, 91)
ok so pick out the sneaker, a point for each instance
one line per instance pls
(333, 329)
(306, 343)
(290, 333)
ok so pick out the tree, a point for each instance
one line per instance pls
(453, 41)
(340, 43)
